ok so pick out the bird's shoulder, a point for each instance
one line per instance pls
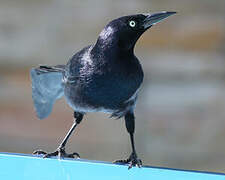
(78, 58)
(77, 62)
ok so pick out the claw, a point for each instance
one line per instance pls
(121, 161)
(39, 151)
(60, 152)
(75, 154)
(52, 154)
(132, 161)
(135, 162)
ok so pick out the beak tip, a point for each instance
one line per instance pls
(170, 12)
(155, 18)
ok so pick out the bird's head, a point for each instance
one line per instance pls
(125, 31)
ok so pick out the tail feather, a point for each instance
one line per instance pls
(47, 87)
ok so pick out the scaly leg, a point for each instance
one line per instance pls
(60, 151)
(133, 159)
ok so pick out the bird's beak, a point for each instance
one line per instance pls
(153, 19)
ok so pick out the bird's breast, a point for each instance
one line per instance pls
(105, 85)
(112, 85)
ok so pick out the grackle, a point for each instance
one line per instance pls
(104, 77)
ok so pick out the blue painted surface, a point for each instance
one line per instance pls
(28, 167)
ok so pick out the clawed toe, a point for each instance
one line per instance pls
(132, 161)
(38, 152)
(135, 162)
(60, 152)
(73, 155)
(124, 161)
(55, 153)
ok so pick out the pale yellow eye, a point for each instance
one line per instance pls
(132, 23)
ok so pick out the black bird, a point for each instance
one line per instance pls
(103, 77)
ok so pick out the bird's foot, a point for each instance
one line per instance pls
(132, 161)
(60, 152)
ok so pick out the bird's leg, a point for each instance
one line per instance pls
(60, 151)
(133, 159)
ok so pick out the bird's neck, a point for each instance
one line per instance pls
(112, 46)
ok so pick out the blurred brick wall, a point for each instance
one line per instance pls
(180, 111)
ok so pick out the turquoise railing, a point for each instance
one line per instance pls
(29, 167)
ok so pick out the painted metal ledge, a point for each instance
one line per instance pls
(29, 167)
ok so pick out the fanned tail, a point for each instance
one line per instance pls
(47, 87)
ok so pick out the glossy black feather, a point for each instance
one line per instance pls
(102, 77)
(105, 76)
